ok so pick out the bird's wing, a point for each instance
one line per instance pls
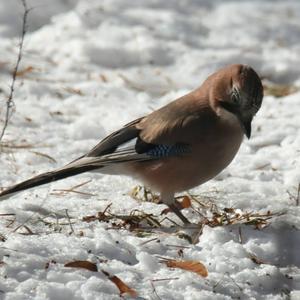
(126, 145)
(183, 121)
(109, 144)
(166, 132)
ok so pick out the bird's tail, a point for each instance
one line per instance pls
(67, 171)
(80, 165)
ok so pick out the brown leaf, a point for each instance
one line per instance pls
(256, 260)
(103, 78)
(189, 265)
(185, 202)
(123, 288)
(89, 219)
(2, 238)
(229, 210)
(72, 90)
(28, 69)
(83, 264)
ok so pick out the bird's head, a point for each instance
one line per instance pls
(238, 90)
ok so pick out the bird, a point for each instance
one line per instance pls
(178, 146)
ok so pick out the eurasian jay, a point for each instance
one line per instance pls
(179, 146)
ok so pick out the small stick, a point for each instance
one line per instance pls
(148, 241)
(67, 214)
(240, 235)
(298, 195)
(9, 101)
(164, 279)
(154, 290)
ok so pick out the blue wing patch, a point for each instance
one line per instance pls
(138, 150)
(161, 151)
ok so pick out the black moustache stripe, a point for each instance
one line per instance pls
(230, 107)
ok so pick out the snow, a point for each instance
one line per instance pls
(96, 65)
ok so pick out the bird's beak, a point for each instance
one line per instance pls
(247, 128)
(244, 120)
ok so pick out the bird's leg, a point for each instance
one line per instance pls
(173, 207)
(169, 200)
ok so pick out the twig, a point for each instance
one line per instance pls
(7, 215)
(154, 290)
(62, 191)
(67, 214)
(148, 241)
(298, 195)
(9, 101)
(240, 235)
(222, 278)
(72, 189)
(178, 246)
(44, 155)
(165, 279)
(29, 231)
(22, 146)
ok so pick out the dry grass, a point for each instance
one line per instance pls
(279, 90)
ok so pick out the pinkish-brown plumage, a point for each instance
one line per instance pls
(180, 145)
(209, 155)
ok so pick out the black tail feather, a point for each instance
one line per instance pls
(47, 178)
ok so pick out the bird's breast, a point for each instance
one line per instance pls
(211, 152)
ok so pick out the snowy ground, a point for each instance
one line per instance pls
(91, 66)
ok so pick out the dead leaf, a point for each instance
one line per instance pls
(28, 119)
(256, 260)
(123, 288)
(103, 78)
(55, 113)
(185, 202)
(72, 90)
(2, 238)
(28, 69)
(188, 265)
(279, 90)
(89, 219)
(83, 264)
(229, 210)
